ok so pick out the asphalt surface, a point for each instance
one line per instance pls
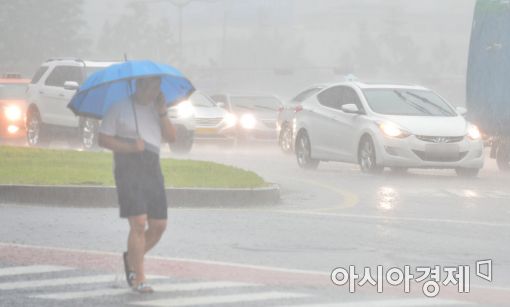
(279, 255)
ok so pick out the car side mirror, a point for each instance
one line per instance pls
(461, 110)
(71, 85)
(350, 108)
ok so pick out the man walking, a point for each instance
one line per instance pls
(134, 131)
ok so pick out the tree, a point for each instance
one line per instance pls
(139, 36)
(34, 30)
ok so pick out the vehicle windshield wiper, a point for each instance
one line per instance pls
(413, 104)
(441, 109)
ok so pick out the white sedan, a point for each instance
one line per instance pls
(200, 119)
(379, 126)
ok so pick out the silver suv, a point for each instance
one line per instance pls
(49, 92)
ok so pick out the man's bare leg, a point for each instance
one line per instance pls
(136, 246)
(153, 233)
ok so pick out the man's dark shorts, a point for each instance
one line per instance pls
(140, 185)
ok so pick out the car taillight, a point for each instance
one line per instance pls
(280, 109)
(299, 108)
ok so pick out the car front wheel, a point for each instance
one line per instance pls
(89, 134)
(304, 152)
(35, 133)
(367, 158)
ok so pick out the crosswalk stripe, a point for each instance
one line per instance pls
(220, 299)
(56, 282)
(34, 269)
(61, 282)
(389, 303)
(196, 286)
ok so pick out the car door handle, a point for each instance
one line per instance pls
(61, 95)
(41, 92)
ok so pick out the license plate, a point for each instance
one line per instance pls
(442, 151)
(206, 131)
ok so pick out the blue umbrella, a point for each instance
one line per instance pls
(116, 83)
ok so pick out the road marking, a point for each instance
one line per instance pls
(392, 218)
(94, 279)
(177, 287)
(57, 282)
(389, 303)
(221, 299)
(34, 269)
(189, 260)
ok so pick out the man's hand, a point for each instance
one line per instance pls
(139, 145)
(161, 104)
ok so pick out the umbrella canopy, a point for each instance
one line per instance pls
(116, 83)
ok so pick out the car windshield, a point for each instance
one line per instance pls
(199, 100)
(407, 102)
(256, 103)
(12, 91)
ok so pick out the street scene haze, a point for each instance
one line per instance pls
(327, 153)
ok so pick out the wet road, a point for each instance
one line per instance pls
(332, 217)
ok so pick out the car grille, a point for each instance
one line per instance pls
(440, 139)
(440, 158)
(208, 122)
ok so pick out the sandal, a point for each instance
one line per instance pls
(130, 275)
(143, 288)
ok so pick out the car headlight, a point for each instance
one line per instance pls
(230, 120)
(248, 121)
(12, 129)
(474, 133)
(392, 130)
(13, 113)
(185, 109)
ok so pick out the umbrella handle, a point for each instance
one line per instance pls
(130, 89)
(135, 116)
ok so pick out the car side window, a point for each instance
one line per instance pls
(349, 95)
(56, 77)
(74, 73)
(38, 74)
(61, 74)
(331, 98)
(337, 96)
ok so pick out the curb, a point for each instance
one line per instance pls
(106, 197)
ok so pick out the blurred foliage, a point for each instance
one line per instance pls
(137, 34)
(35, 30)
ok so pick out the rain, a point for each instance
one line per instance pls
(254, 153)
